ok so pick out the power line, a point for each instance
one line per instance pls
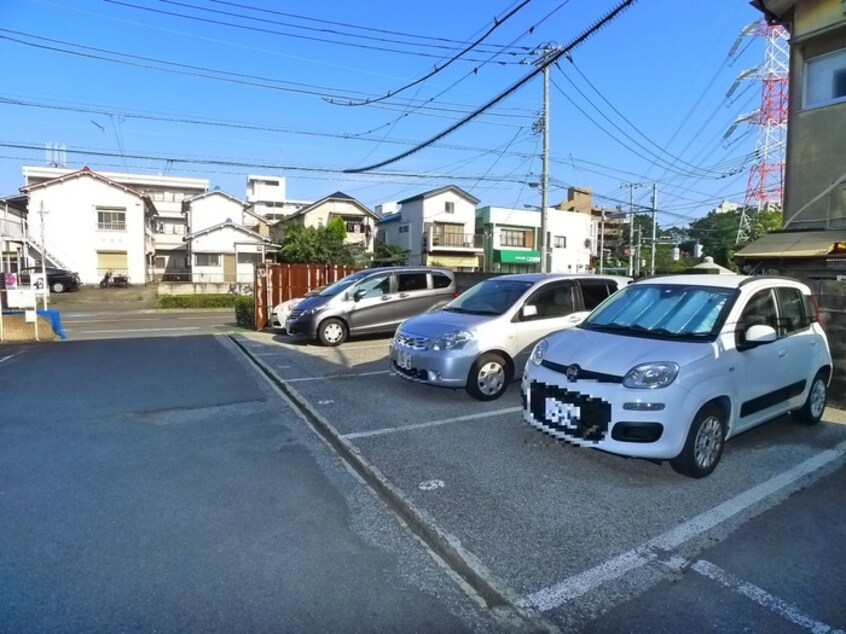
(551, 60)
(256, 29)
(428, 38)
(438, 68)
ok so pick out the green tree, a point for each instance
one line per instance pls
(717, 232)
(318, 245)
(389, 255)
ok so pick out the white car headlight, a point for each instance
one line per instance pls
(649, 376)
(455, 340)
(539, 352)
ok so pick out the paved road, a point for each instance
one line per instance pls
(577, 533)
(126, 322)
(159, 484)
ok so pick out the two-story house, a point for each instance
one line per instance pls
(436, 228)
(91, 224)
(109, 243)
(267, 195)
(359, 220)
(510, 240)
(226, 240)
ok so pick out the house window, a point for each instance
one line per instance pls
(449, 207)
(825, 79)
(559, 242)
(249, 258)
(207, 259)
(403, 229)
(111, 218)
(513, 238)
(160, 262)
(449, 235)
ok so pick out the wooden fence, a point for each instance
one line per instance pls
(831, 296)
(276, 283)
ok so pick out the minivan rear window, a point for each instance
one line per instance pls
(439, 280)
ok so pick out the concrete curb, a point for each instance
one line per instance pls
(493, 591)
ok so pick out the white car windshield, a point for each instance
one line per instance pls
(662, 310)
(491, 297)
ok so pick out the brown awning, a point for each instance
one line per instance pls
(793, 244)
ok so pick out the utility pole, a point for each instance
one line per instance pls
(41, 213)
(632, 187)
(654, 227)
(545, 259)
(602, 243)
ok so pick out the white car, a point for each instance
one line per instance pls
(671, 367)
(481, 339)
(280, 313)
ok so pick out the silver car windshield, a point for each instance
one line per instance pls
(491, 297)
(662, 310)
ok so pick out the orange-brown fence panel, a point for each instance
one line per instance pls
(276, 283)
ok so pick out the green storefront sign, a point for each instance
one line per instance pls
(519, 257)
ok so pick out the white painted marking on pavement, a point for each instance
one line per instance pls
(325, 402)
(334, 376)
(6, 358)
(457, 419)
(582, 583)
(102, 332)
(762, 598)
(431, 485)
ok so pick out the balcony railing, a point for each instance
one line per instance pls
(448, 241)
(11, 230)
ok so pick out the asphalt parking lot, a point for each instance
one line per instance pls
(569, 532)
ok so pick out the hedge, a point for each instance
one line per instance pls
(245, 311)
(197, 301)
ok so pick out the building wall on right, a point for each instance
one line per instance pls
(817, 117)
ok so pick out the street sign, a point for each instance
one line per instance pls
(20, 298)
(39, 284)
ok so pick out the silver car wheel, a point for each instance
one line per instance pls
(333, 332)
(708, 443)
(817, 398)
(491, 378)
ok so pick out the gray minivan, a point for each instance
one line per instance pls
(370, 301)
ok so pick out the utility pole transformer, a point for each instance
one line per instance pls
(765, 186)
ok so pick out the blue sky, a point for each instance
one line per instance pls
(654, 80)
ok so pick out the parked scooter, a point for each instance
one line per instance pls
(110, 280)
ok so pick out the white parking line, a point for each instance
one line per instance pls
(457, 419)
(582, 583)
(102, 332)
(334, 376)
(6, 358)
(762, 598)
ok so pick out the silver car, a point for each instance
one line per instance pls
(481, 340)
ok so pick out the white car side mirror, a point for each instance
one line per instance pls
(760, 334)
(529, 310)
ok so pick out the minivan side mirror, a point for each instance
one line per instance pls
(359, 294)
(529, 310)
(760, 333)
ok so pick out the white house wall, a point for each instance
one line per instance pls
(226, 240)
(213, 210)
(71, 231)
(580, 232)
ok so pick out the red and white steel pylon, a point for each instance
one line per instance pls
(765, 187)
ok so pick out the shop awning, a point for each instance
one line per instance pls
(795, 244)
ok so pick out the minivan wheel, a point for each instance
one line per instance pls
(488, 378)
(332, 332)
(57, 287)
(704, 445)
(812, 411)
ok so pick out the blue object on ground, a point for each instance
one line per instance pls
(51, 314)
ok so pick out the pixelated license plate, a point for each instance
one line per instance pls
(404, 359)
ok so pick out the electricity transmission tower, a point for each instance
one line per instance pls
(765, 186)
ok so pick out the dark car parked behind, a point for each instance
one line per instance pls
(59, 280)
(370, 301)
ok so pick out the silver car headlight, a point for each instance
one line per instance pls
(454, 340)
(539, 352)
(650, 376)
(312, 311)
